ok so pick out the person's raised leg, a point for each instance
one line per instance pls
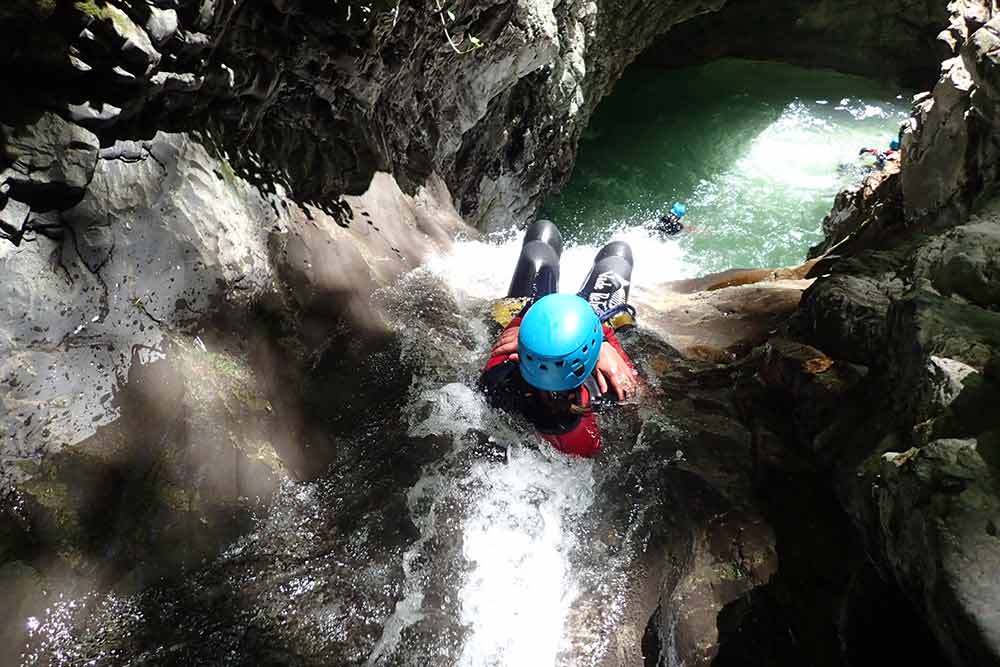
(537, 271)
(607, 285)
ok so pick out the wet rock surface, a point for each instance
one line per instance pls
(152, 360)
(906, 293)
(173, 300)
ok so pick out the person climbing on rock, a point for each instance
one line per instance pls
(558, 360)
(670, 222)
(881, 157)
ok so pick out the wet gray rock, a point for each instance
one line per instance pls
(152, 339)
(920, 312)
(908, 287)
(845, 311)
(938, 515)
(50, 162)
(494, 100)
(964, 263)
(864, 214)
(150, 246)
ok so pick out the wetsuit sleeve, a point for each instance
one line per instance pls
(499, 380)
(583, 438)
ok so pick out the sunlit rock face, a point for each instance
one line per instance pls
(493, 98)
(907, 294)
(159, 166)
(152, 346)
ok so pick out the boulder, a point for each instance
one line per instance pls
(845, 315)
(938, 515)
(51, 161)
(161, 25)
(964, 263)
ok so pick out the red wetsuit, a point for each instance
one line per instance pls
(571, 433)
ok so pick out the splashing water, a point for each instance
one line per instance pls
(482, 269)
(449, 533)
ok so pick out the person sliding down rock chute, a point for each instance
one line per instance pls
(558, 359)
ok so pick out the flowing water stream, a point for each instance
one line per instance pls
(446, 533)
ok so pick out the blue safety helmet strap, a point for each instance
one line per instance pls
(559, 342)
(679, 209)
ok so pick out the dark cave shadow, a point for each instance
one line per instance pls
(826, 605)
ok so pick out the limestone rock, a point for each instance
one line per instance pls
(139, 362)
(934, 166)
(12, 218)
(938, 515)
(964, 263)
(51, 161)
(924, 326)
(153, 244)
(845, 315)
(723, 316)
(87, 115)
(161, 25)
(863, 215)
(114, 24)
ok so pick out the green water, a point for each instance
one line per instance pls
(756, 150)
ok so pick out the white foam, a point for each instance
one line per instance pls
(516, 598)
(483, 269)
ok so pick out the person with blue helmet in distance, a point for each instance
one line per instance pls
(558, 358)
(881, 157)
(670, 222)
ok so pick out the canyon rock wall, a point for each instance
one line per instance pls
(906, 293)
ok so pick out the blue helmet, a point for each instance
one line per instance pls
(894, 145)
(559, 342)
(679, 209)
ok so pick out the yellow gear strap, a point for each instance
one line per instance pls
(505, 310)
(621, 320)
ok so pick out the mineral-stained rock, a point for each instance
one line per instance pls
(721, 317)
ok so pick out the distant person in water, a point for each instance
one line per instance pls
(558, 359)
(670, 222)
(882, 157)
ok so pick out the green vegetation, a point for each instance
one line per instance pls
(102, 10)
(228, 174)
(447, 15)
